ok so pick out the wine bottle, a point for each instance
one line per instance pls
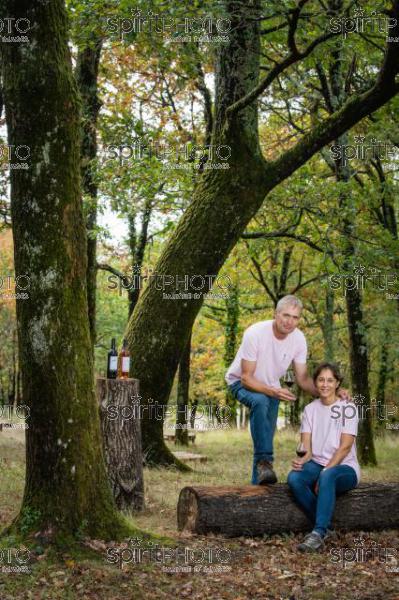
(112, 364)
(124, 361)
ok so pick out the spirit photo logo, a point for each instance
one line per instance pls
(14, 157)
(362, 277)
(14, 30)
(14, 288)
(207, 413)
(14, 560)
(362, 150)
(173, 153)
(10, 413)
(141, 551)
(362, 23)
(159, 23)
(376, 410)
(10, 282)
(363, 552)
(165, 282)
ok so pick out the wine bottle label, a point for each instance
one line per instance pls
(125, 364)
(113, 363)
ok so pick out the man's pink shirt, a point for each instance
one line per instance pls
(272, 356)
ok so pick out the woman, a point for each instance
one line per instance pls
(330, 465)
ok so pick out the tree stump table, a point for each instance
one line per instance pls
(119, 407)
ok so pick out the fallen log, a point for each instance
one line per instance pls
(257, 510)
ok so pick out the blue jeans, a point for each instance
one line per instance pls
(262, 419)
(320, 508)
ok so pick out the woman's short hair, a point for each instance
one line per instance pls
(334, 368)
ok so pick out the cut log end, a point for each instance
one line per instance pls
(188, 510)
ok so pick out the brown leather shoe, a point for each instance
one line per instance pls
(266, 475)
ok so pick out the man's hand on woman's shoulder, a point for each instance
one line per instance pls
(344, 394)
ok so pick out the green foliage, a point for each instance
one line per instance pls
(29, 519)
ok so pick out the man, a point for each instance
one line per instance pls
(267, 350)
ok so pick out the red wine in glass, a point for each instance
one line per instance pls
(300, 450)
(289, 378)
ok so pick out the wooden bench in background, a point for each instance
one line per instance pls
(188, 456)
(170, 437)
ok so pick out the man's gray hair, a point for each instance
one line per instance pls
(289, 300)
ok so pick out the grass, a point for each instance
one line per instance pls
(258, 565)
(229, 454)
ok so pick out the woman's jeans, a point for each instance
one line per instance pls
(334, 480)
(263, 420)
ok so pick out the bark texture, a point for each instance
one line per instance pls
(183, 391)
(257, 510)
(120, 425)
(230, 344)
(66, 488)
(86, 75)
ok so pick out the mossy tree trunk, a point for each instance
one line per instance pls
(137, 245)
(387, 218)
(230, 343)
(383, 372)
(328, 326)
(357, 330)
(183, 389)
(86, 75)
(335, 94)
(225, 200)
(66, 490)
(359, 364)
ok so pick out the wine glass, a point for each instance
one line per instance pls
(300, 450)
(289, 378)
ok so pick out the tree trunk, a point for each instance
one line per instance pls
(231, 329)
(383, 372)
(267, 510)
(12, 398)
(121, 431)
(358, 343)
(328, 329)
(359, 364)
(183, 388)
(66, 490)
(193, 412)
(389, 223)
(86, 75)
(137, 249)
(223, 203)
(19, 392)
(201, 229)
